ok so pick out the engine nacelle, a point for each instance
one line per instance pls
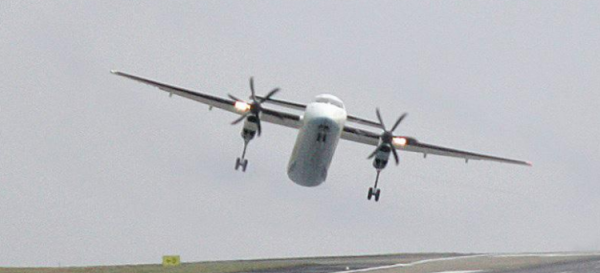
(250, 127)
(382, 157)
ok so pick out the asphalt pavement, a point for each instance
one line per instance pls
(473, 263)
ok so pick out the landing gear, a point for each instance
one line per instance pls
(248, 135)
(241, 162)
(374, 191)
(382, 154)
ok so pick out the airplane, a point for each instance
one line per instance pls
(320, 127)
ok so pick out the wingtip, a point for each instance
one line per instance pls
(529, 163)
(113, 71)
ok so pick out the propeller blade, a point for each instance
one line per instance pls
(234, 98)
(252, 88)
(268, 96)
(395, 155)
(373, 153)
(398, 121)
(239, 119)
(380, 119)
(258, 128)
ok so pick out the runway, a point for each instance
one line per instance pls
(394, 263)
(456, 263)
(591, 265)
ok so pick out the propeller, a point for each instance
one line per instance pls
(255, 106)
(387, 136)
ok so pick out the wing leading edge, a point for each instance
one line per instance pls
(412, 145)
(268, 115)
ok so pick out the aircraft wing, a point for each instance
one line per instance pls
(294, 121)
(412, 145)
(268, 115)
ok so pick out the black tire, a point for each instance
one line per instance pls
(377, 195)
(237, 163)
(370, 193)
(245, 165)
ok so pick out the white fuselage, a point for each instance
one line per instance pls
(322, 125)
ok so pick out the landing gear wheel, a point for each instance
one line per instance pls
(245, 164)
(241, 162)
(374, 192)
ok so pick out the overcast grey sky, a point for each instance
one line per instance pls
(97, 169)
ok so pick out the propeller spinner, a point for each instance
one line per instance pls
(254, 107)
(387, 137)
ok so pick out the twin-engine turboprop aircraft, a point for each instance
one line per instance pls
(320, 128)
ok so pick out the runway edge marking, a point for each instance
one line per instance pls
(498, 255)
(413, 263)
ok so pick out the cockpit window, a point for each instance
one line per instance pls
(330, 100)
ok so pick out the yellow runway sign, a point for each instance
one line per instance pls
(172, 260)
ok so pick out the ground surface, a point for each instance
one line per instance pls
(402, 263)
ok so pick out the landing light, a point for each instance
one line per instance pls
(400, 141)
(242, 106)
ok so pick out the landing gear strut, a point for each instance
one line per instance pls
(241, 161)
(382, 154)
(248, 135)
(374, 191)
